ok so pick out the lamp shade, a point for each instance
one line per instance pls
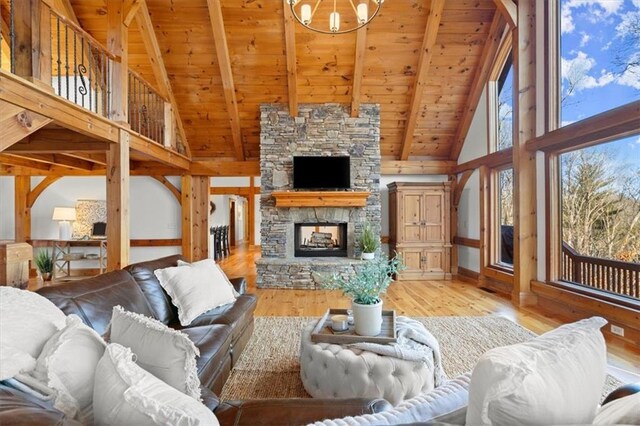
(64, 213)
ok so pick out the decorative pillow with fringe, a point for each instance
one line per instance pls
(125, 394)
(67, 365)
(166, 353)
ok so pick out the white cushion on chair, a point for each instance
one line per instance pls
(556, 378)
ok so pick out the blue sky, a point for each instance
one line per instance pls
(595, 35)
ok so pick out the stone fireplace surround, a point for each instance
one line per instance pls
(322, 130)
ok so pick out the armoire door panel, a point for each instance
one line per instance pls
(433, 209)
(412, 259)
(434, 261)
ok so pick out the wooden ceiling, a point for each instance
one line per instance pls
(394, 62)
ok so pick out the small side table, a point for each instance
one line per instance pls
(61, 248)
(335, 371)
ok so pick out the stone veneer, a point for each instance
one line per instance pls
(318, 130)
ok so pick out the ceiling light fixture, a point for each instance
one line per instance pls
(330, 12)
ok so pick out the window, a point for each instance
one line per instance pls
(600, 217)
(599, 56)
(504, 220)
(504, 136)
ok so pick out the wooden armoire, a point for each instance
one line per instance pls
(420, 228)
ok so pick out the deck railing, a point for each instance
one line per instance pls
(146, 109)
(604, 274)
(81, 67)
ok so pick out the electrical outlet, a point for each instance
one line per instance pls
(617, 330)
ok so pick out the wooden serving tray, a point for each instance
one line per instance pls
(322, 332)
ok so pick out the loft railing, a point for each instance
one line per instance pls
(81, 67)
(146, 109)
(604, 274)
(7, 37)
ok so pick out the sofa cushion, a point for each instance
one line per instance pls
(237, 315)
(143, 274)
(19, 408)
(214, 343)
(93, 299)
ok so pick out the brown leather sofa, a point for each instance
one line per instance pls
(220, 334)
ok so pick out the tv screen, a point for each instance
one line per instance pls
(321, 173)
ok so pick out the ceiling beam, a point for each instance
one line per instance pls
(423, 167)
(225, 168)
(58, 159)
(157, 152)
(222, 53)
(49, 141)
(290, 46)
(479, 81)
(171, 187)
(99, 159)
(6, 159)
(130, 10)
(145, 26)
(358, 70)
(428, 42)
(509, 11)
(17, 123)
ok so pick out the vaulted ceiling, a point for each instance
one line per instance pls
(430, 86)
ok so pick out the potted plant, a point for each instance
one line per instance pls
(364, 288)
(368, 243)
(44, 264)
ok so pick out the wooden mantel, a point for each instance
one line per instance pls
(321, 198)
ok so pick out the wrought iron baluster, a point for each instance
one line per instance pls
(97, 80)
(108, 89)
(58, 61)
(12, 38)
(82, 70)
(66, 56)
(138, 106)
(75, 68)
(103, 82)
(90, 60)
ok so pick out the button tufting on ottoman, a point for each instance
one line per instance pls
(334, 371)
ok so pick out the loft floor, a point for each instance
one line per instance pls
(417, 298)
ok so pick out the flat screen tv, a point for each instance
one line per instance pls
(321, 173)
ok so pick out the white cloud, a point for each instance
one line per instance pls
(630, 77)
(628, 23)
(576, 72)
(585, 39)
(634, 144)
(598, 9)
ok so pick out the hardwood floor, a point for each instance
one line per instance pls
(417, 298)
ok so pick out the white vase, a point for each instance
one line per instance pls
(368, 256)
(367, 318)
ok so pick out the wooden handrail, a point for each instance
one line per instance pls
(85, 34)
(604, 274)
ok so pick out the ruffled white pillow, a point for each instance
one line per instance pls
(195, 289)
(124, 393)
(233, 289)
(27, 321)
(67, 365)
(166, 353)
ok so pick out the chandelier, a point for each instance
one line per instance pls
(324, 16)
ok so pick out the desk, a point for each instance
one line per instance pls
(62, 250)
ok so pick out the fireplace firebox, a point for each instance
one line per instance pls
(320, 240)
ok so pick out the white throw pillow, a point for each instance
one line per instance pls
(195, 289)
(67, 365)
(125, 394)
(623, 411)
(233, 289)
(556, 378)
(27, 321)
(166, 353)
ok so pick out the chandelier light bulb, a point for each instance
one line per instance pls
(363, 13)
(305, 14)
(334, 22)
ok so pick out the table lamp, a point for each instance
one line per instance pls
(65, 215)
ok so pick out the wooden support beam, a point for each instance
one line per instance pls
(358, 70)
(35, 192)
(187, 216)
(57, 159)
(65, 8)
(117, 44)
(22, 209)
(525, 256)
(509, 11)
(290, 47)
(130, 10)
(165, 182)
(242, 191)
(422, 167)
(118, 184)
(251, 198)
(17, 123)
(426, 52)
(195, 217)
(479, 81)
(461, 183)
(226, 168)
(48, 141)
(224, 62)
(145, 26)
(96, 159)
(493, 160)
(157, 152)
(6, 159)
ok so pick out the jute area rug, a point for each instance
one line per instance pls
(269, 367)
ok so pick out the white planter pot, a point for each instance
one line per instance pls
(368, 256)
(367, 318)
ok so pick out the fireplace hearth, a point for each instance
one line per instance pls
(320, 240)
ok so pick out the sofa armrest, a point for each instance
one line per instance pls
(240, 284)
(622, 391)
(294, 411)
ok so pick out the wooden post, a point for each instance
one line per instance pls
(117, 41)
(454, 223)
(252, 211)
(169, 130)
(22, 209)
(118, 203)
(33, 40)
(524, 162)
(484, 223)
(195, 217)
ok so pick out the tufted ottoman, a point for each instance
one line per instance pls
(334, 371)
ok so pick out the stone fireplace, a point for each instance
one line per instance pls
(318, 130)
